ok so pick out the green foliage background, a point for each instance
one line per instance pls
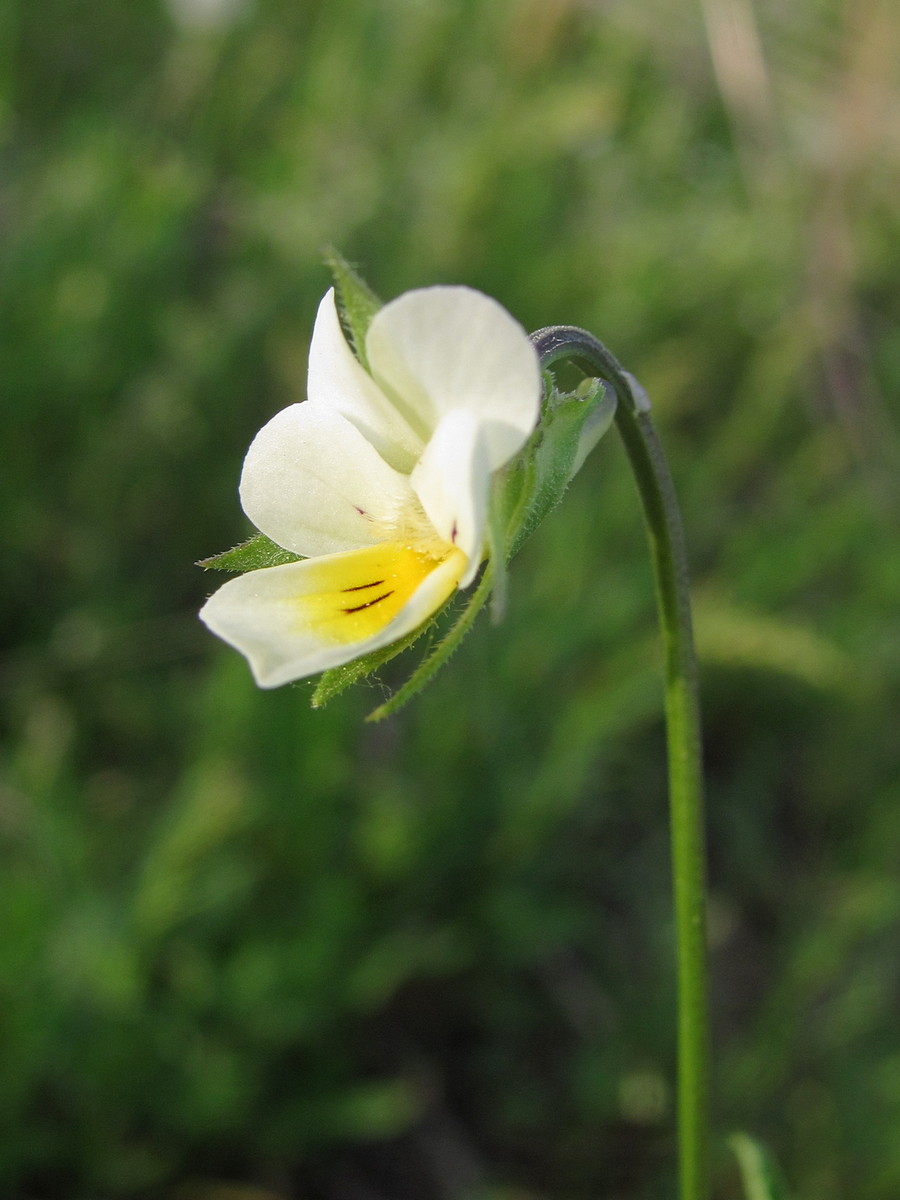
(253, 952)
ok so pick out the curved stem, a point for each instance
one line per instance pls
(666, 539)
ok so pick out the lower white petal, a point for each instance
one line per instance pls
(313, 484)
(304, 617)
(452, 479)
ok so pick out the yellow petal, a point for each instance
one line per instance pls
(354, 596)
(304, 617)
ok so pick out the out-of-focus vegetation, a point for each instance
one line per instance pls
(248, 950)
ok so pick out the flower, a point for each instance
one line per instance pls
(380, 479)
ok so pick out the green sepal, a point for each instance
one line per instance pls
(337, 679)
(571, 424)
(760, 1176)
(357, 304)
(254, 554)
(496, 535)
(432, 663)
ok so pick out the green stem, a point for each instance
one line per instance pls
(667, 550)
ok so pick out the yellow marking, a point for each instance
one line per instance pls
(356, 595)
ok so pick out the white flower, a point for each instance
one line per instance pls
(381, 481)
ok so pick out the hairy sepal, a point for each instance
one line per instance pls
(338, 679)
(440, 652)
(357, 304)
(253, 555)
(532, 486)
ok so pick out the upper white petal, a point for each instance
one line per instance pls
(263, 615)
(338, 381)
(437, 349)
(313, 484)
(452, 480)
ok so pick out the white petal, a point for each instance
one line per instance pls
(302, 618)
(336, 380)
(453, 480)
(437, 349)
(313, 484)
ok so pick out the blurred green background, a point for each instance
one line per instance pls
(253, 952)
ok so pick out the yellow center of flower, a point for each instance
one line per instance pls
(356, 595)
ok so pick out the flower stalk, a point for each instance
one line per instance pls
(667, 550)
